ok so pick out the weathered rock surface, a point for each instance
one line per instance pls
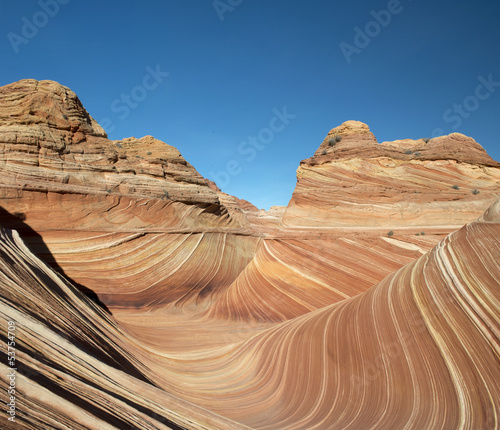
(417, 350)
(338, 311)
(447, 180)
(99, 210)
(53, 153)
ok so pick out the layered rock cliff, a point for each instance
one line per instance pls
(53, 154)
(74, 368)
(354, 181)
(99, 210)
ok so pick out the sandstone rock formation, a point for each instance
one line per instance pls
(75, 368)
(53, 152)
(418, 350)
(362, 304)
(353, 181)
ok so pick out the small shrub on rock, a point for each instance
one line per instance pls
(332, 141)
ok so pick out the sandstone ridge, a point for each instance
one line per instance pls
(353, 139)
(354, 180)
(52, 150)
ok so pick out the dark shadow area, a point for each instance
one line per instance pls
(35, 243)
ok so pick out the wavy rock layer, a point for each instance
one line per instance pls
(290, 277)
(73, 367)
(418, 350)
(101, 211)
(138, 270)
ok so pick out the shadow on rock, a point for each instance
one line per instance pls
(16, 221)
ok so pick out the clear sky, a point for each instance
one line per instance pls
(245, 89)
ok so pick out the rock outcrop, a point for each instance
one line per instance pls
(417, 350)
(100, 211)
(74, 368)
(354, 181)
(53, 153)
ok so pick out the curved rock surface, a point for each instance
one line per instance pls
(360, 305)
(418, 350)
(100, 211)
(75, 367)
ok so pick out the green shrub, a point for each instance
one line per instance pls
(475, 192)
(324, 152)
(417, 154)
(422, 233)
(149, 152)
(426, 139)
(455, 187)
(332, 141)
(390, 233)
(408, 152)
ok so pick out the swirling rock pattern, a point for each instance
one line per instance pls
(74, 370)
(417, 350)
(362, 304)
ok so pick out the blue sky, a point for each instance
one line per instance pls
(245, 89)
